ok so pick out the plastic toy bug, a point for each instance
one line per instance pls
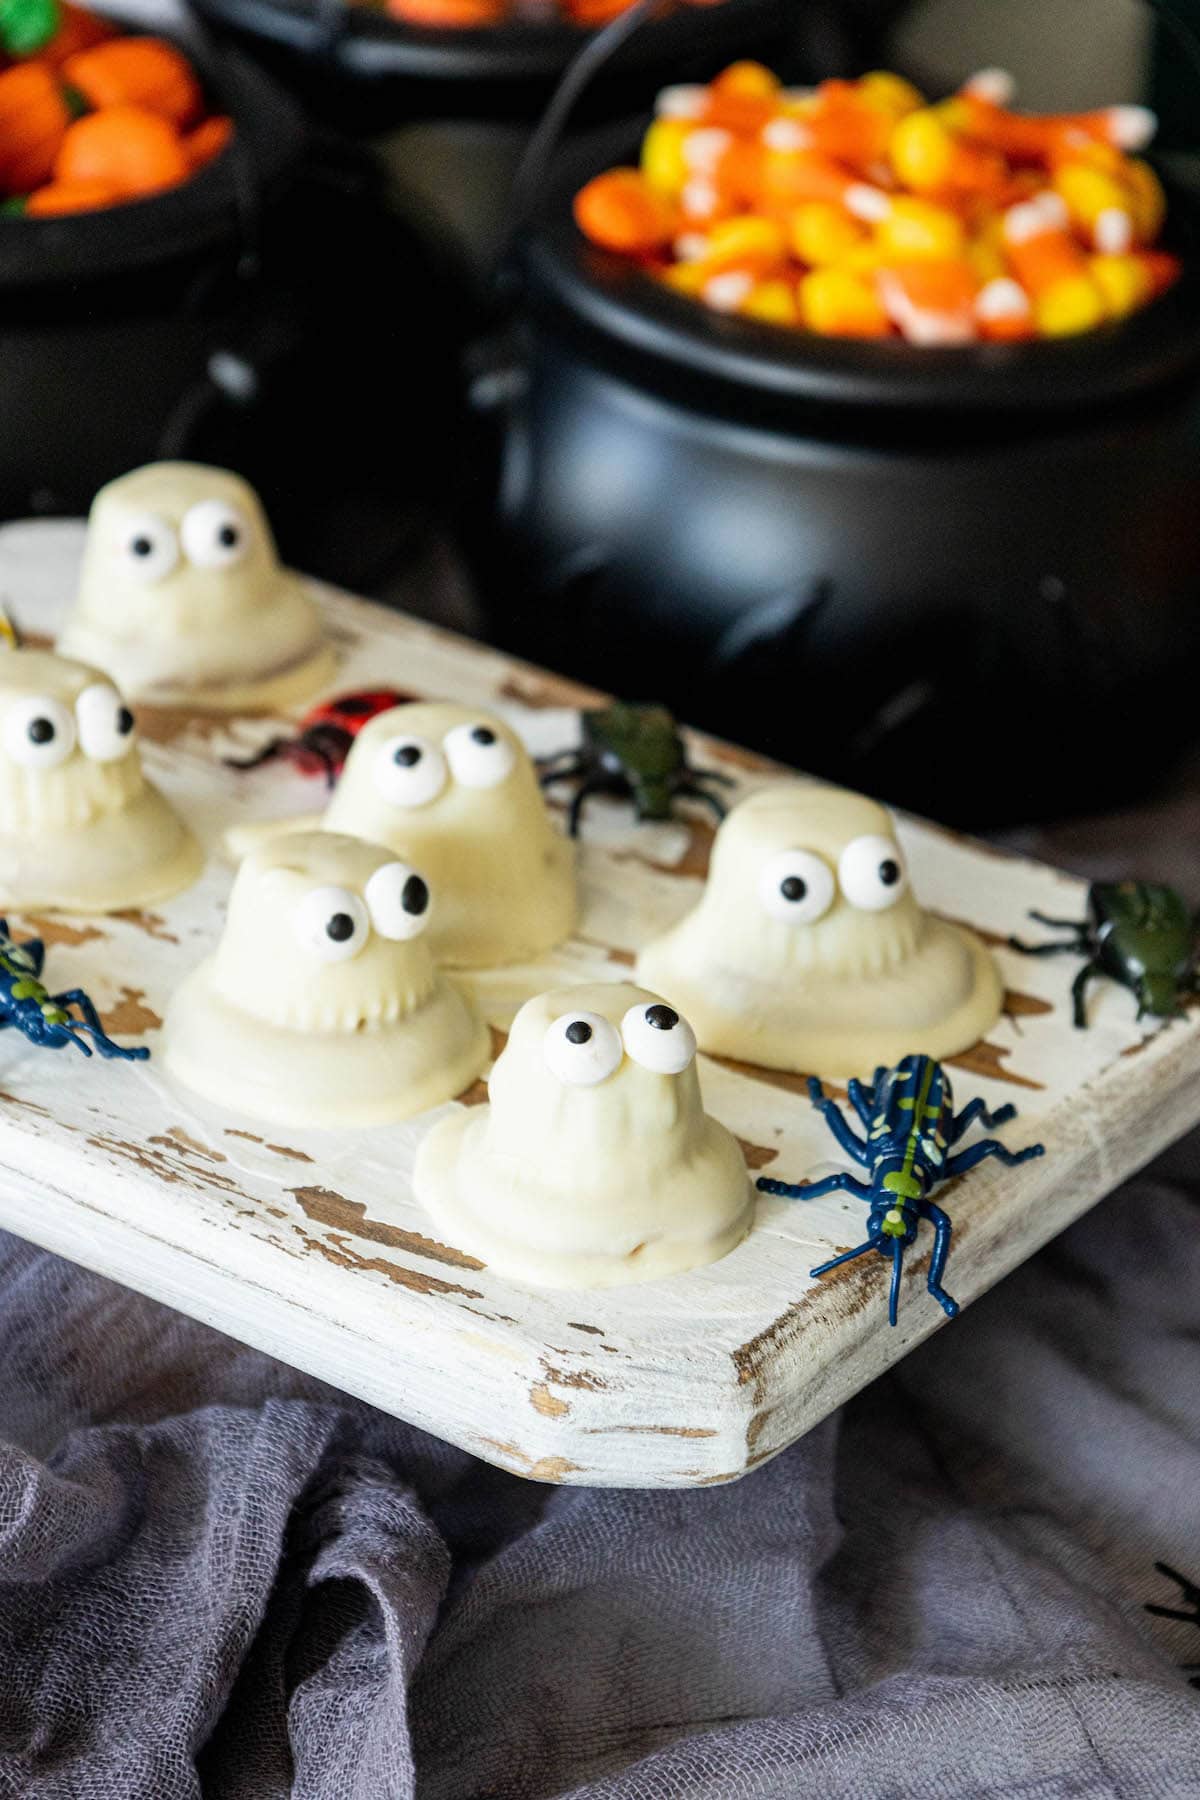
(1189, 1593)
(633, 752)
(326, 734)
(1140, 934)
(44, 1017)
(909, 1116)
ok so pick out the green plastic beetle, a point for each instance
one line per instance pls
(633, 752)
(1138, 933)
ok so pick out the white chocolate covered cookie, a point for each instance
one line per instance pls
(808, 950)
(453, 790)
(81, 828)
(182, 599)
(321, 1005)
(595, 1163)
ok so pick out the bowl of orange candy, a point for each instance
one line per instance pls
(91, 117)
(856, 209)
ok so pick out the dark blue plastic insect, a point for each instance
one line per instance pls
(910, 1121)
(42, 1016)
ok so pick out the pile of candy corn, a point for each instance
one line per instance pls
(90, 117)
(856, 209)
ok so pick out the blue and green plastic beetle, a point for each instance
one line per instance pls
(908, 1114)
(1138, 932)
(45, 1018)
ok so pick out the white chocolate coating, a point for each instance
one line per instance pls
(859, 985)
(297, 1029)
(177, 615)
(81, 828)
(471, 818)
(586, 1183)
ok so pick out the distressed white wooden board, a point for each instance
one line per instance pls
(311, 1246)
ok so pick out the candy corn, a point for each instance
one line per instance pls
(859, 209)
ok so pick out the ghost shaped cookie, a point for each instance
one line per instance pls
(453, 790)
(594, 1164)
(808, 950)
(321, 1004)
(81, 828)
(182, 599)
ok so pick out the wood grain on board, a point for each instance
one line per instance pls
(311, 1246)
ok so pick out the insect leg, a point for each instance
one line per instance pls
(976, 1109)
(550, 771)
(942, 1229)
(846, 1256)
(1079, 990)
(1078, 926)
(897, 1271)
(91, 1022)
(862, 1100)
(596, 785)
(967, 1159)
(813, 1190)
(1071, 949)
(688, 790)
(848, 1139)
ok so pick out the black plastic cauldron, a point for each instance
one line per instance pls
(362, 70)
(274, 314)
(967, 580)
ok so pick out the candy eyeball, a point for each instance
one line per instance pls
(582, 1049)
(409, 772)
(215, 535)
(872, 873)
(398, 901)
(332, 923)
(796, 887)
(656, 1037)
(39, 732)
(146, 547)
(479, 757)
(105, 723)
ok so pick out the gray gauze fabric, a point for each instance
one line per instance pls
(219, 1578)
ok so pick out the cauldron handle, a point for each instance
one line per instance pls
(580, 72)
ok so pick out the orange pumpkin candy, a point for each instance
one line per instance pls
(79, 30)
(131, 149)
(34, 116)
(60, 197)
(206, 143)
(137, 71)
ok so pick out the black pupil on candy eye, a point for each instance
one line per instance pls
(662, 1018)
(414, 897)
(578, 1032)
(340, 927)
(124, 721)
(792, 887)
(407, 755)
(889, 872)
(142, 546)
(227, 536)
(483, 734)
(41, 731)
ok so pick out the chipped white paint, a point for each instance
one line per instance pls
(311, 1246)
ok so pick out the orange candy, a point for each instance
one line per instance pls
(457, 15)
(206, 142)
(60, 197)
(621, 211)
(856, 209)
(34, 117)
(133, 151)
(137, 71)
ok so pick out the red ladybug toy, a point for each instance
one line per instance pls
(326, 734)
